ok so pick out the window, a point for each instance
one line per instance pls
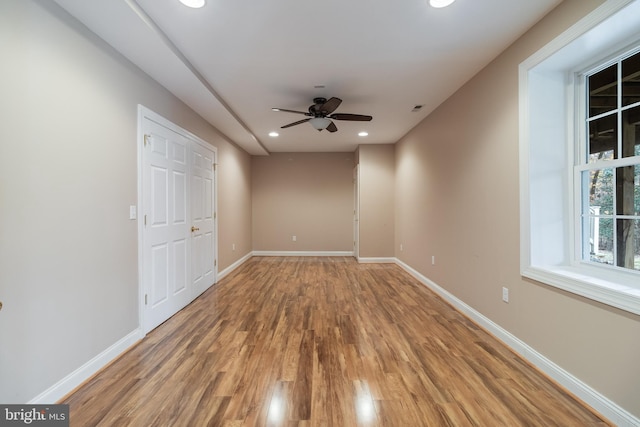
(608, 167)
(580, 158)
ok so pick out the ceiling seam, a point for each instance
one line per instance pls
(167, 41)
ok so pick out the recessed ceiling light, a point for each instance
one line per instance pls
(273, 134)
(193, 3)
(363, 133)
(440, 3)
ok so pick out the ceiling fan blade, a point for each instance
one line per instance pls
(351, 117)
(332, 127)
(330, 106)
(290, 111)
(294, 123)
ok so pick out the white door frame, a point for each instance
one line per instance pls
(356, 212)
(145, 113)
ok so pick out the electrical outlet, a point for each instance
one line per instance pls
(433, 260)
(401, 249)
(505, 294)
(294, 239)
(233, 246)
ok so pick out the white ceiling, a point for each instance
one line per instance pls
(233, 60)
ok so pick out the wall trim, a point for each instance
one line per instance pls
(69, 383)
(607, 408)
(302, 253)
(381, 260)
(233, 266)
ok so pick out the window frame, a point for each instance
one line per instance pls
(582, 163)
(550, 206)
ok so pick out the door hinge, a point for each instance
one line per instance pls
(215, 262)
(214, 165)
(145, 220)
(145, 299)
(146, 139)
(215, 214)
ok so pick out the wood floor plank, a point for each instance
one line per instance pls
(322, 341)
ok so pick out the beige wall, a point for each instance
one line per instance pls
(457, 198)
(377, 189)
(68, 252)
(68, 173)
(309, 195)
(234, 205)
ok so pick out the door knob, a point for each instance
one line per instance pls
(194, 229)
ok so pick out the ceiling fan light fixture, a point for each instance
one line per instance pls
(320, 122)
(440, 3)
(196, 4)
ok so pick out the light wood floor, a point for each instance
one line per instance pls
(321, 342)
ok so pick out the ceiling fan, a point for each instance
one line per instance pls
(320, 114)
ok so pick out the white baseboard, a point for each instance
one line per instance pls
(302, 253)
(597, 401)
(609, 409)
(233, 266)
(365, 260)
(66, 385)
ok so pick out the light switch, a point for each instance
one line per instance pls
(133, 212)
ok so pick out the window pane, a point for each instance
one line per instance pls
(631, 132)
(626, 190)
(603, 138)
(601, 240)
(603, 91)
(631, 80)
(636, 190)
(628, 245)
(600, 190)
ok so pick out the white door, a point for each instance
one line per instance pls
(166, 236)
(178, 226)
(202, 218)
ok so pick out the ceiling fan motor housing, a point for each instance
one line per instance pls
(318, 102)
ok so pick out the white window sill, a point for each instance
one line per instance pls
(615, 288)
